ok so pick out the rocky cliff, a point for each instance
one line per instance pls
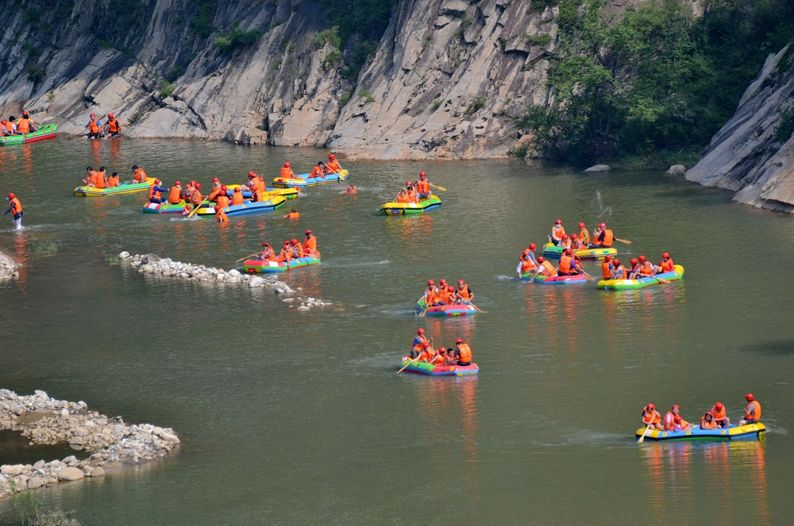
(753, 154)
(444, 82)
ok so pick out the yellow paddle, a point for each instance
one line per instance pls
(624, 241)
(642, 438)
(438, 187)
(193, 212)
(415, 359)
(248, 256)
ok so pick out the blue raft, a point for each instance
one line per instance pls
(735, 432)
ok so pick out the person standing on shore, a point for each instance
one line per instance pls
(15, 209)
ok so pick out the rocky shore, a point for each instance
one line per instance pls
(166, 268)
(43, 420)
(8, 268)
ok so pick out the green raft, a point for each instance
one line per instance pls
(42, 134)
(632, 284)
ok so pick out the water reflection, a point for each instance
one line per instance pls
(675, 469)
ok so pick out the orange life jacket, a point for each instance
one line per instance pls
(259, 184)
(93, 127)
(705, 424)
(423, 186)
(646, 269)
(175, 194)
(293, 215)
(16, 206)
(718, 416)
(438, 359)
(287, 173)
(609, 238)
(333, 166)
(651, 417)
(557, 231)
(667, 265)
(9, 127)
(113, 126)
(310, 245)
(99, 180)
(113, 181)
(268, 254)
(584, 235)
(669, 421)
(196, 198)
(237, 197)
(464, 352)
(297, 251)
(154, 193)
(140, 175)
(23, 125)
(220, 215)
(606, 270)
(222, 202)
(464, 293)
(316, 172)
(752, 411)
(284, 256)
(527, 265)
(565, 263)
(548, 269)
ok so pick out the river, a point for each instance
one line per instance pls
(299, 418)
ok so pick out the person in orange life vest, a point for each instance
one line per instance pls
(258, 195)
(217, 189)
(10, 127)
(112, 126)
(464, 352)
(317, 171)
(452, 294)
(175, 193)
(25, 124)
(237, 196)
(332, 164)
(603, 237)
(429, 294)
(439, 358)
(464, 292)
(442, 296)
(720, 415)
(297, 249)
(634, 271)
(531, 248)
(351, 189)
(672, 420)
(584, 235)
(156, 192)
(113, 180)
(310, 244)
(418, 342)
(285, 256)
(222, 201)
(252, 180)
(195, 196)
(402, 196)
(565, 242)
(187, 190)
(620, 271)
(15, 209)
(646, 267)
(268, 254)
(752, 411)
(546, 268)
(525, 264)
(576, 243)
(292, 214)
(707, 421)
(139, 175)
(557, 231)
(3, 124)
(286, 171)
(666, 265)
(568, 265)
(450, 358)
(93, 127)
(607, 270)
(423, 185)
(100, 178)
(650, 416)
(89, 176)
(220, 215)
(426, 354)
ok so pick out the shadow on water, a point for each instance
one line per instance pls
(777, 348)
(14, 449)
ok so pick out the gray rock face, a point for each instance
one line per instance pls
(747, 155)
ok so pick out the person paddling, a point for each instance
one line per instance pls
(423, 186)
(333, 164)
(268, 254)
(651, 417)
(752, 411)
(15, 209)
(464, 292)
(603, 236)
(418, 342)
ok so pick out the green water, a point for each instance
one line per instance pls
(299, 418)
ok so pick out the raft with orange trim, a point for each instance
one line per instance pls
(303, 180)
(262, 266)
(734, 432)
(453, 310)
(418, 367)
(552, 251)
(44, 133)
(576, 279)
(633, 284)
(393, 208)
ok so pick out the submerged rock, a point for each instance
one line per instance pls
(598, 168)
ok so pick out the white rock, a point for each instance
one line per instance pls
(70, 473)
(71, 459)
(124, 255)
(303, 308)
(36, 482)
(676, 169)
(97, 471)
(234, 272)
(41, 394)
(12, 470)
(598, 168)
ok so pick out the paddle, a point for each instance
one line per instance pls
(588, 276)
(193, 212)
(467, 302)
(624, 241)
(660, 280)
(248, 256)
(438, 187)
(409, 363)
(642, 438)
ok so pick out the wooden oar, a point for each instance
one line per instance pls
(467, 302)
(642, 438)
(409, 363)
(195, 209)
(624, 241)
(424, 311)
(438, 187)
(588, 276)
(248, 256)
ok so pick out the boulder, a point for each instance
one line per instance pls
(12, 471)
(36, 482)
(598, 168)
(676, 169)
(70, 473)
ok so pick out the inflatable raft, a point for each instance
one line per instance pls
(42, 134)
(578, 279)
(245, 209)
(735, 432)
(303, 180)
(418, 367)
(455, 310)
(551, 251)
(123, 188)
(261, 266)
(165, 208)
(287, 193)
(404, 209)
(632, 284)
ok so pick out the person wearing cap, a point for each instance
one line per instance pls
(584, 234)
(310, 244)
(634, 271)
(156, 192)
(286, 171)
(576, 243)
(720, 415)
(525, 263)
(464, 352)
(607, 270)
(620, 270)
(603, 236)
(752, 411)
(25, 124)
(112, 126)
(651, 417)
(297, 248)
(285, 256)
(268, 254)
(332, 164)
(217, 188)
(673, 421)
(427, 353)
(237, 196)
(423, 185)
(557, 232)
(666, 264)
(418, 342)
(220, 214)
(175, 193)
(646, 267)
(92, 127)
(15, 209)
(292, 214)
(89, 176)
(545, 268)
(222, 201)
(139, 175)
(565, 243)
(568, 264)
(429, 295)
(113, 180)
(196, 198)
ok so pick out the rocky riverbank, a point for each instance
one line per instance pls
(166, 268)
(112, 443)
(8, 268)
